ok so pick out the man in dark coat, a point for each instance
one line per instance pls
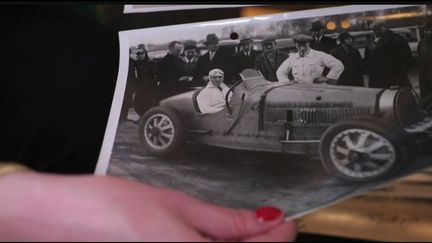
(320, 42)
(245, 58)
(170, 70)
(351, 59)
(140, 83)
(387, 58)
(214, 58)
(424, 49)
(269, 61)
(190, 61)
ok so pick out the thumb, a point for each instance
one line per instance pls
(232, 224)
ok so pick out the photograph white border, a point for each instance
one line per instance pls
(148, 8)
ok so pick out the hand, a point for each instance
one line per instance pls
(39, 207)
(133, 56)
(324, 79)
(185, 78)
(321, 79)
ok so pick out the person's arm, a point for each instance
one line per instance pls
(205, 103)
(283, 71)
(43, 207)
(257, 63)
(336, 68)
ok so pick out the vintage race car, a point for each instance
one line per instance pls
(360, 134)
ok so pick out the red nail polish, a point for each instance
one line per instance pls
(268, 213)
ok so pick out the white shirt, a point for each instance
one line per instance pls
(211, 54)
(187, 60)
(310, 67)
(211, 99)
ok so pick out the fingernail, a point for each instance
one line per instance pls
(268, 213)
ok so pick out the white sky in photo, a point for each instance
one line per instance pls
(198, 31)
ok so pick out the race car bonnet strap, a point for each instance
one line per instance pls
(262, 105)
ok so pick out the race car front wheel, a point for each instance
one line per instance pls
(161, 131)
(364, 149)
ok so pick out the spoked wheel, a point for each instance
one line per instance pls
(161, 131)
(365, 149)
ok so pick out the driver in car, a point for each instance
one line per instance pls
(212, 98)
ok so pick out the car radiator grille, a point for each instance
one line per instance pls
(303, 114)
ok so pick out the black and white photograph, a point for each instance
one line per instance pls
(297, 110)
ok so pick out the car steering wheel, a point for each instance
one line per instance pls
(231, 90)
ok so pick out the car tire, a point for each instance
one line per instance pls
(364, 149)
(162, 131)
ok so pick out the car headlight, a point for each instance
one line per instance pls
(407, 107)
(400, 106)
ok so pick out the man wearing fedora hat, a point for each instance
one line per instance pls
(351, 59)
(269, 61)
(387, 58)
(307, 64)
(320, 42)
(214, 58)
(245, 58)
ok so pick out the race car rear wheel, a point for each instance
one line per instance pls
(364, 149)
(161, 131)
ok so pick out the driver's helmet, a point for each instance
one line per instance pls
(216, 72)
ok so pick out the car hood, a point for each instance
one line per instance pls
(320, 94)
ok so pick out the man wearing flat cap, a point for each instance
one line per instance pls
(214, 58)
(270, 60)
(320, 42)
(307, 65)
(387, 58)
(351, 59)
(212, 98)
(190, 58)
(245, 58)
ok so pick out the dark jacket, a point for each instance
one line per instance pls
(326, 44)
(267, 67)
(170, 69)
(425, 68)
(189, 66)
(353, 66)
(222, 60)
(142, 72)
(243, 62)
(387, 60)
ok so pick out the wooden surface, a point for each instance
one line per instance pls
(399, 212)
